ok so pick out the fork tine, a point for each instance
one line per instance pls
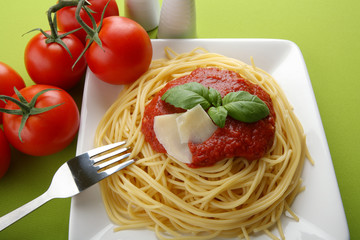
(109, 155)
(112, 161)
(96, 151)
(116, 168)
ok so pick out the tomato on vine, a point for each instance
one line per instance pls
(50, 63)
(50, 55)
(118, 50)
(67, 21)
(125, 54)
(40, 119)
(9, 79)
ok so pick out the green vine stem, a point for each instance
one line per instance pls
(92, 33)
(87, 29)
(26, 108)
(53, 9)
(54, 36)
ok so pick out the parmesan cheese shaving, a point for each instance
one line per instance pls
(175, 131)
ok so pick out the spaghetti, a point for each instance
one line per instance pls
(233, 198)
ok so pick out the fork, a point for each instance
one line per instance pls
(74, 176)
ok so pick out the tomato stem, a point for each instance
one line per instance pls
(87, 29)
(26, 108)
(61, 4)
(53, 9)
(54, 36)
(92, 33)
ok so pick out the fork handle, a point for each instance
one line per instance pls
(22, 211)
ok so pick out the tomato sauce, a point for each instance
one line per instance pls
(236, 139)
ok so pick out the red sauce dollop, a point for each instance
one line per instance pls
(236, 139)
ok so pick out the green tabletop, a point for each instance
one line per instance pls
(327, 33)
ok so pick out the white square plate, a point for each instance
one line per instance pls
(319, 206)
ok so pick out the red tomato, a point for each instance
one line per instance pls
(126, 51)
(4, 154)
(66, 16)
(51, 64)
(9, 79)
(45, 133)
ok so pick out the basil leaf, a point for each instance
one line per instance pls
(240, 105)
(187, 96)
(214, 97)
(245, 107)
(197, 88)
(218, 115)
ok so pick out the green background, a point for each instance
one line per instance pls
(327, 33)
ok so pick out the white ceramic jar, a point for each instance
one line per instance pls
(177, 19)
(144, 12)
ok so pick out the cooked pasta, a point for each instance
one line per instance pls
(233, 198)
